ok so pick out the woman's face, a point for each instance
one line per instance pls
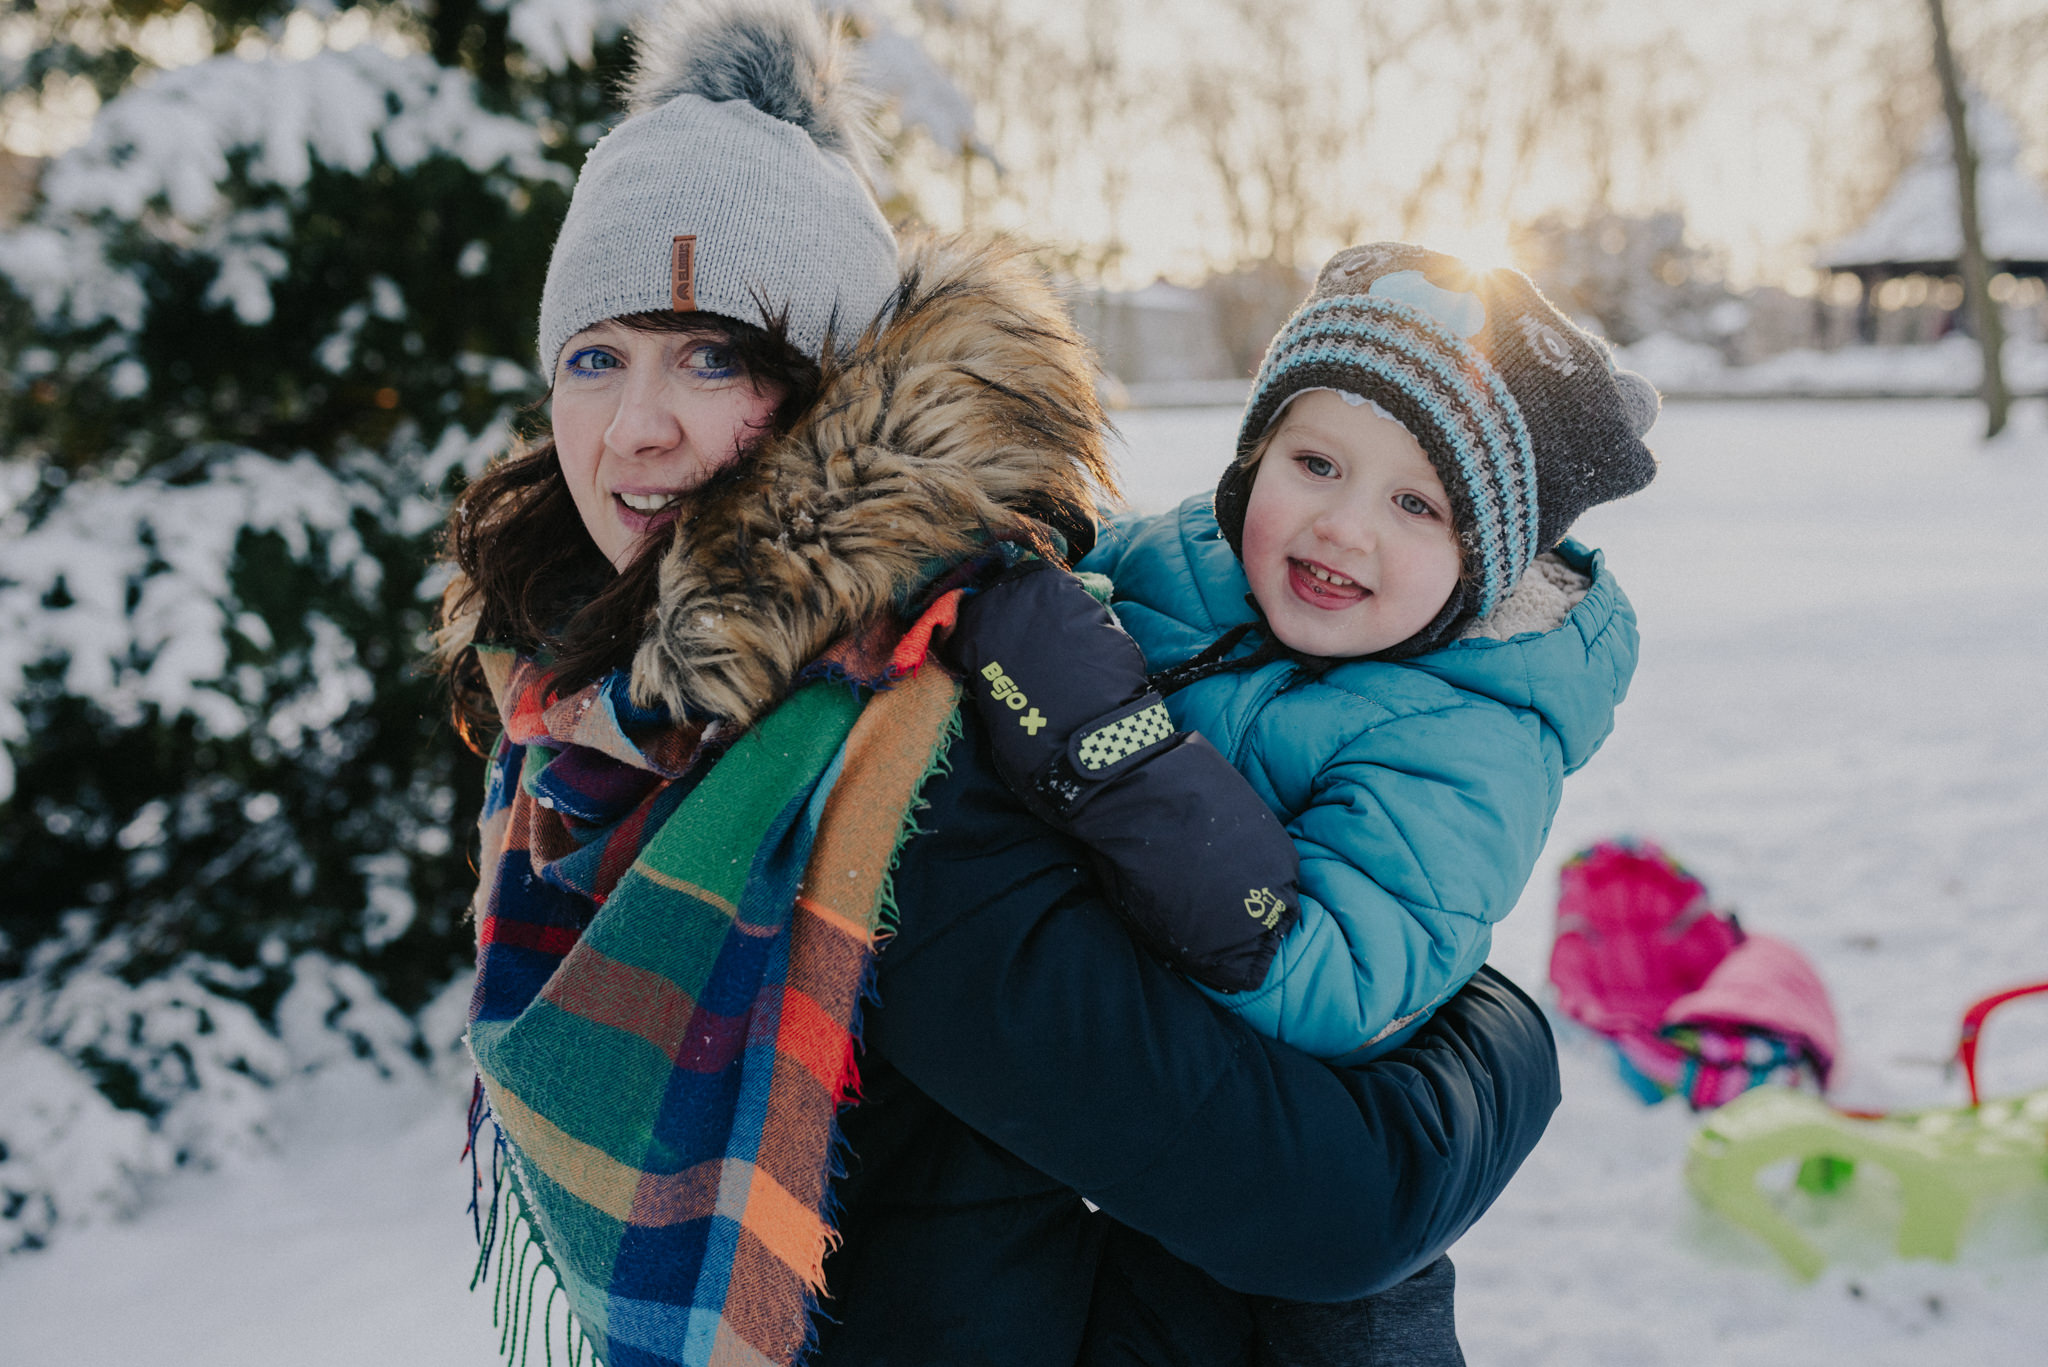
(643, 418)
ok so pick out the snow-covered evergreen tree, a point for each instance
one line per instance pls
(259, 325)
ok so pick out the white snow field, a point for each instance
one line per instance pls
(1838, 724)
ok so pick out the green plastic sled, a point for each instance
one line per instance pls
(1946, 1161)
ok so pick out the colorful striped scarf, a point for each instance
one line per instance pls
(675, 930)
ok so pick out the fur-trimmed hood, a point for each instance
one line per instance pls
(968, 409)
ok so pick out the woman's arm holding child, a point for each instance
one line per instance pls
(1011, 999)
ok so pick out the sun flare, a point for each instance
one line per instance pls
(1482, 246)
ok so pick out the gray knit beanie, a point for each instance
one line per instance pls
(737, 186)
(1522, 414)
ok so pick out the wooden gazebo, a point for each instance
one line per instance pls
(1915, 231)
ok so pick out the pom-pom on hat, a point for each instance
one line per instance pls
(1522, 414)
(737, 185)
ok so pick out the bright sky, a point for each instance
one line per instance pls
(1775, 144)
(1777, 150)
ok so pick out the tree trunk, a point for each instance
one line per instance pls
(1976, 272)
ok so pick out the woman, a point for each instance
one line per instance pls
(778, 448)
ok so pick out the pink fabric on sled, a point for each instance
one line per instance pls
(1767, 986)
(1692, 1006)
(1634, 934)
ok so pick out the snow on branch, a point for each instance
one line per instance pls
(901, 70)
(164, 153)
(128, 585)
(111, 1084)
(560, 34)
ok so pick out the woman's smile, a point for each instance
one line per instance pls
(645, 513)
(646, 504)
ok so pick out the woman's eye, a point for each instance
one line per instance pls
(1415, 506)
(591, 360)
(1322, 467)
(712, 361)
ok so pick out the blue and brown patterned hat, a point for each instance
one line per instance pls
(1522, 413)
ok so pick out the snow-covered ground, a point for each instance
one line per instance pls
(1952, 366)
(1837, 724)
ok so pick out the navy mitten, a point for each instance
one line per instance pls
(1202, 871)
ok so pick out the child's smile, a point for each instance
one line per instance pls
(1321, 587)
(1348, 542)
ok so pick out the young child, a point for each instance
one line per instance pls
(1378, 622)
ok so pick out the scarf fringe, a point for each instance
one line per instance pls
(940, 763)
(839, 1149)
(505, 1229)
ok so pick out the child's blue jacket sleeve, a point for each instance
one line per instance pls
(1415, 836)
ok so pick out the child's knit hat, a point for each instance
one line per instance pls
(737, 186)
(1522, 413)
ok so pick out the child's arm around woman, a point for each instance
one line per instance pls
(1197, 865)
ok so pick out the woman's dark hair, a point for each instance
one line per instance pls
(532, 577)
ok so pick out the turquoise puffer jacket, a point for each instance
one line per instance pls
(1418, 794)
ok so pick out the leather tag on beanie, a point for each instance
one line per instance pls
(682, 275)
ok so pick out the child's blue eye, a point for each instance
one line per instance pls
(1414, 505)
(590, 360)
(1322, 467)
(712, 361)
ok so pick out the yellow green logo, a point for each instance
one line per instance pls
(1004, 690)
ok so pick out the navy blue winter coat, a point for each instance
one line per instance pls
(1023, 1053)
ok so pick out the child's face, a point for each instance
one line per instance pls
(1347, 539)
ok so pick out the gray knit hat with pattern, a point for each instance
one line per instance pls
(737, 186)
(1522, 414)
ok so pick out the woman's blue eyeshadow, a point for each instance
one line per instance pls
(716, 372)
(580, 353)
(725, 371)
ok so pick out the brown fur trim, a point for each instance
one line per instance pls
(968, 410)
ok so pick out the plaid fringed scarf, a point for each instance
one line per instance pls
(672, 947)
